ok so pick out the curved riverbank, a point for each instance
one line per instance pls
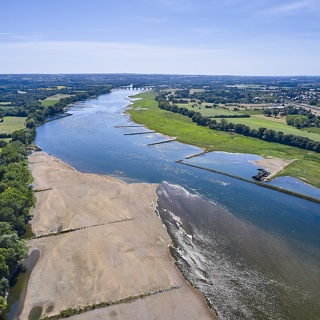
(118, 248)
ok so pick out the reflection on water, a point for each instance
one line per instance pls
(17, 294)
(251, 250)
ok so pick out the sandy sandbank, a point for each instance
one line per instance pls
(272, 164)
(121, 252)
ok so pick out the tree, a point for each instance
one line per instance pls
(313, 102)
(317, 147)
(267, 112)
(246, 130)
(3, 303)
(223, 123)
(30, 123)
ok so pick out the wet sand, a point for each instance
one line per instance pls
(120, 252)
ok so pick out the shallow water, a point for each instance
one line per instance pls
(253, 251)
(17, 294)
(245, 272)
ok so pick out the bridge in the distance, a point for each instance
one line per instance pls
(132, 87)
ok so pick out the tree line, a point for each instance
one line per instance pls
(295, 116)
(261, 133)
(16, 199)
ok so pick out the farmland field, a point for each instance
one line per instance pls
(208, 112)
(50, 101)
(11, 124)
(256, 122)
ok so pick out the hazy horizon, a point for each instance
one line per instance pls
(207, 37)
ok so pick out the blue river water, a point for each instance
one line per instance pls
(254, 252)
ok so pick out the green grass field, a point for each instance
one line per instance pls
(146, 111)
(11, 124)
(312, 129)
(50, 101)
(46, 103)
(208, 112)
(257, 120)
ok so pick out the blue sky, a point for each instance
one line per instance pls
(226, 37)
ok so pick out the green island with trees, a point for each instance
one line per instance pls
(267, 116)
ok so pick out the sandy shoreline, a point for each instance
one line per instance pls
(120, 252)
(272, 164)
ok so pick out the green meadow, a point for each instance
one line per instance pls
(146, 111)
(11, 124)
(209, 112)
(50, 101)
(257, 120)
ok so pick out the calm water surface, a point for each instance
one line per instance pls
(254, 252)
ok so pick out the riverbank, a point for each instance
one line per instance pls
(303, 166)
(272, 165)
(116, 249)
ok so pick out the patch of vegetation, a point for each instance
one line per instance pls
(77, 229)
(11, 124)
(47, 103)
(256, 123)
(70, 312)
(52, 100)
(209, 110)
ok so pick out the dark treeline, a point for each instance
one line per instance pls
(231, 116)
(262, 133)
(5, 135)
(16, 199)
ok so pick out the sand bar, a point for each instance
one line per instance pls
(121, 250)
(272, 164)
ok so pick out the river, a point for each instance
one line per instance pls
(254, 252)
